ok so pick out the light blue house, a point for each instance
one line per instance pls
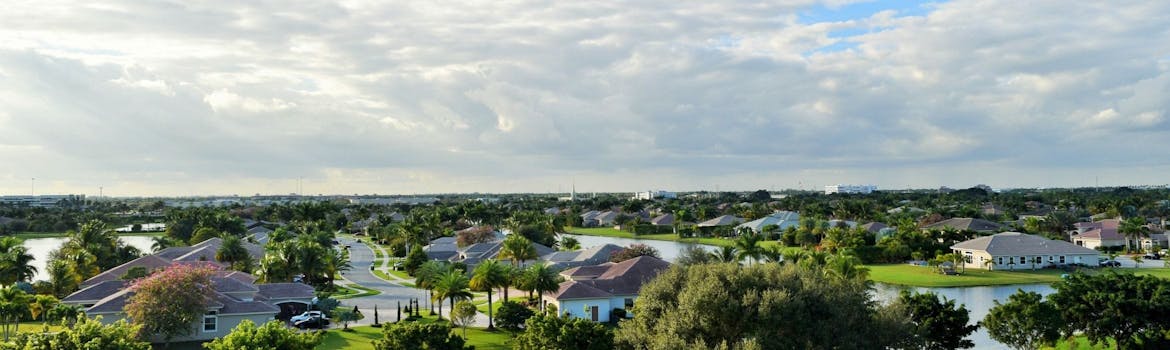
(594, 292)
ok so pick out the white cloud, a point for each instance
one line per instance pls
(676, 94)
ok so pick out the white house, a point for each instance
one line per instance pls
(855, 189)
(594, 292)
(1018, 251)
(1103, 233)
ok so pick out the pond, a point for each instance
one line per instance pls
(979, 300)
(41, 247)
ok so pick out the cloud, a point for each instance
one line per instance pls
(521, 96)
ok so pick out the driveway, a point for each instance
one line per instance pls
(361, 257)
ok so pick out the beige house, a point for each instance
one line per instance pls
(1018, 251)
(1102, 233)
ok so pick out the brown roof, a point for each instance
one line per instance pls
(624, 278)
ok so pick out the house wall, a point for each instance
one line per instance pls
(979, 259)
(225, 325)
(576, 308)
(1093, 243)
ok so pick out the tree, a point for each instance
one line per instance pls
(336, 261)
(542, 279)
(159, 243)
(693, 255)
(488, 275)
(203, 234)
(271, 335)
(633, 251)
(41, 304)
(511, 315)
(85, 335)
(15, 262)
(570, 243)
(427, 275)
(938, 324)
(1124, 307)
(767, 306)
(452, 285)
(748, 244)
(1026, 321)
(517, 249)
(232, 253)
(1134, 229)
(13, 304)
(551, 331)
(414, 335)
(346, 315)
(463, 314)
(414, 259)
(726, 254)
(172, 299)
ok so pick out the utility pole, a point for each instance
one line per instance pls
(33, 187)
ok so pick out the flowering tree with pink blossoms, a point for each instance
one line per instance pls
(170, 301)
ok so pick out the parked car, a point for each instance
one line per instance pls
(1110, 263)
(398, 266)
(316, 322)
(307, 315)
(1152, 257)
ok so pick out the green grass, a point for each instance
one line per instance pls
(37, 326)
(1079, 343)
(401, 274)
(923, 276)
(482, 305)
(362, 337)
(354, 291)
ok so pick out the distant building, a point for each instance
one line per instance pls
(659, 194)
(967, 224)
(42, 201)
(850, 189)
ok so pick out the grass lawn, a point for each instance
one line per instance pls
(1079, 343)
(923, 276)
(354, 291)
(482, 305)
(362, 337)
(401, 274)
(37, 326)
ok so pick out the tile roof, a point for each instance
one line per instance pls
(150, 262)
(231, 285)
(723, 220)
(623, 278)
(967, 224)
(95, 292)
(663, 220)
(285, 290)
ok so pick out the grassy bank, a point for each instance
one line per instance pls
(354, 291)
(923, 276)
(362, 337)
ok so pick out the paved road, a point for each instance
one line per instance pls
(361, 257)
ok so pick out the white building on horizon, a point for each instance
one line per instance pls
(851, 189)
(655, 195)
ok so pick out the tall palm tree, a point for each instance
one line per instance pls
(427, 274)
(490, 274)
(451, 285)
(748, 244)
(1134, 229)
(231, 251)
(13, 305)
(158, 243)
(725, 254)
(542, 279)
(845, 266)
(518, 249)
(336, 262)
(309, 258)
(63, 279)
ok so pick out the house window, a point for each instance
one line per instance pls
(210, 321)
(629, 303)
(1022, 260)
(1062, 259)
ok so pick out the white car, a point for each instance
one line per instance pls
(306, 316)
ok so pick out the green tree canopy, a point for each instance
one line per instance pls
(938, 324)
(87, 334)
(272, 335)
(1025, 322)
(170, 301)
(563, 333)
(414, 335)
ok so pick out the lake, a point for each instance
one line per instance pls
(40, 248)
(978, 300)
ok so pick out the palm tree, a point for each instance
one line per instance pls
(158, 243)
(15, 262)
(427, 274)
(490, 274)
(518, 249)
(1133, 228)
(63, 280)
(570, 243)
(542, 279)
(13, 305)
(336, 261)
(725, 254)
(231, 251)
(452, 285)
(846, 266)
(748, 245)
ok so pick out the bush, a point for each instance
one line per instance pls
(511, 316)
(617, 314)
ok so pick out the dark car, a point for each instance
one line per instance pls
(315, 322)
(1152, 257)
(1110, 263)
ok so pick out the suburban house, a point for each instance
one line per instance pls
(606, 218)
(235, 296)
(1018, 251)
(722, 220)
(587, 218)
(663, 220)
(1101, 233)
(590, 256)
(967, 224)
(593, 292)
(879, 230)
(782, 219)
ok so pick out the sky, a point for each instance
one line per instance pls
(132, 97)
